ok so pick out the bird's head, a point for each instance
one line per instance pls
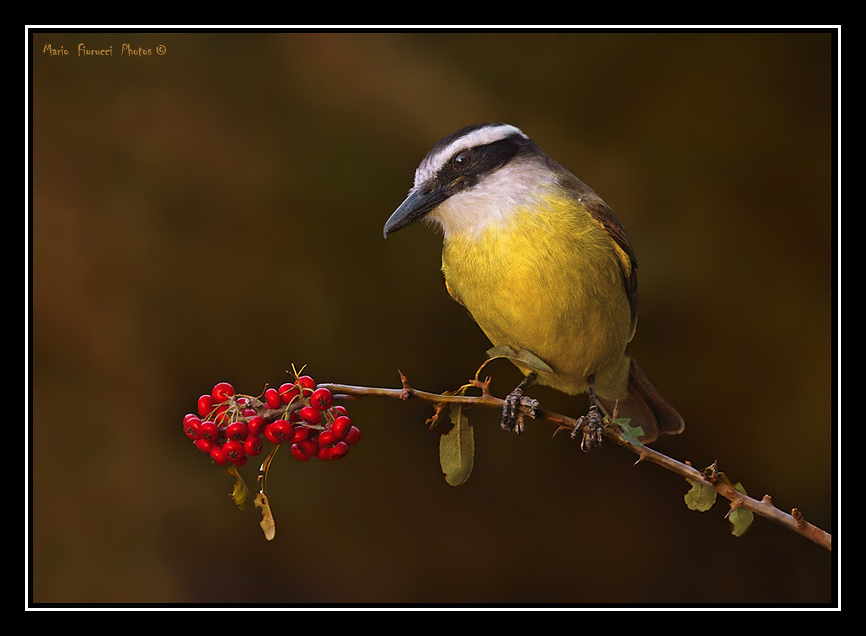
(475, 176)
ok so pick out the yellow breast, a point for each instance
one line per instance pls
(549, 280)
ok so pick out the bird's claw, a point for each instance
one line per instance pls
(517, 407)
(591, 429)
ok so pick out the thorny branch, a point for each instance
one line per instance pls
(763, 507)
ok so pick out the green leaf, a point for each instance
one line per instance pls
(701, 497)
(457, 448)
(523, 358)
(630, 433)
(740, 517)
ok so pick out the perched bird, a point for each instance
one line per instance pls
(542, 265)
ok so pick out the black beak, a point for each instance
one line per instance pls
(417, 204)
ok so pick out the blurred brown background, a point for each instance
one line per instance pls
(215, 213)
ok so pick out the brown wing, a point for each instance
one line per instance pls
(599, 211)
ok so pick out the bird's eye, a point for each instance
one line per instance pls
(462, 159)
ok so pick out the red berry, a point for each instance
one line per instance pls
(307, 385)
(309, 446)
(222, 391)
(288, 392)
(190, 426)
(253, 445)
(209, 430)
(268, 432)
(321, 399)
(327, 438)
(310, 415)
(203, 444)
(352, 436)
(237, 431)
(255, 424)
(234, 451)
(340, 410)
(300, 433)
(284, 429)
(278, 431)
(205, 404)
(272, 398)
(220, 415)
(341, 426)
(217, 454)
(298, 453)
(338, 450)
(323, 453)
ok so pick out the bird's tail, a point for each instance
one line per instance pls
(645, 406)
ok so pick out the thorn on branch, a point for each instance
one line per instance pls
(407, 390)
(483, 385)
(736, 502)
(798, 517)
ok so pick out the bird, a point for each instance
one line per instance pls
(544, 268)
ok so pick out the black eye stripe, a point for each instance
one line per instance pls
(470, 164)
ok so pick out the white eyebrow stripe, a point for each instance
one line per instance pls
(432, 163)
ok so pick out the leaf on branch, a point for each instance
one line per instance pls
(523, 358)
(240, 493)
(741, 518)
(701, 497)
(457, 448)
(269, 527)
(631, 434)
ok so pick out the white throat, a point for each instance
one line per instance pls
(494, 200)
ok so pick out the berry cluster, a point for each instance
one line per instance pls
(230, 427)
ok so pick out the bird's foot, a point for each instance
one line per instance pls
(590, 427)
(517, 406)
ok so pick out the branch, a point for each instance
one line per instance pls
(708, 478)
